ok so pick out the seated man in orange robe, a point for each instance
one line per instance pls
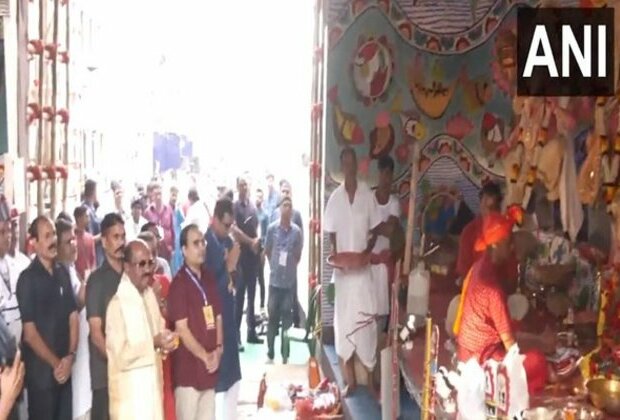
(490, 201)
(483, 327)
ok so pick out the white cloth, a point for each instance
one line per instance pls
(192, 404)
(135, 380)
(10, 269)
(571, 210)
(387, 210)
(132, 229)
(198, 214)
(80, 376)
(354, 325)
(380, 271)
(226, 403)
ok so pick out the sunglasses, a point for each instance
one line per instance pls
(144, 263)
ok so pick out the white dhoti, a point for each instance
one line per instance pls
(355, 309)
(381, 288)
(354, 316)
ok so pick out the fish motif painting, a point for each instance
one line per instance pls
(372, 68)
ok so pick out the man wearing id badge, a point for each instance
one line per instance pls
(194, 307)
(283, 249)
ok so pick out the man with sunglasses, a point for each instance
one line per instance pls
(246, 231)
(222, 257)
(101, 287)
(194, 307)
(136, 338)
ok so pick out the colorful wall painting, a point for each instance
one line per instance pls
(440, 72)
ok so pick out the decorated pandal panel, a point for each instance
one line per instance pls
(403, 71)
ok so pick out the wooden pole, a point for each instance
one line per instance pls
(413, 189)
(426, 391)
(53, 148)
(65, 186)
(41, 98)
(394, 337)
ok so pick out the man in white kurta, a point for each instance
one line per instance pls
(350, 216)
(389, 211)
(135, 338)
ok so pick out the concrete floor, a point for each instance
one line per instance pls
(253, 366)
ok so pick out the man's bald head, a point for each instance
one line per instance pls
(139, 264)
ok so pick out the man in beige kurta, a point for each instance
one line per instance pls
(135, 339)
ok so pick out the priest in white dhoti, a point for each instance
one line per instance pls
(352, 221)
(135, 341)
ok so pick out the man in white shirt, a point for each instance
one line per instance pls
(382, 262)
(20, 258)
(10, 269)
(12, 263)
(80, 377)
(197, 213)
(133, 224)
(351, 218)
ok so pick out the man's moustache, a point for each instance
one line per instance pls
(121, 249)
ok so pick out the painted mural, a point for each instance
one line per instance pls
(393, 78)
(439, 72)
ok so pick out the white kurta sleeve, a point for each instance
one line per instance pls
(394, 206)
(125, 355)
(331, 212)
(374, 215)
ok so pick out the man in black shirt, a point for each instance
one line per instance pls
(50, 322)
(101, 287)
(246, 231)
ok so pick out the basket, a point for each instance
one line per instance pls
(554, 275)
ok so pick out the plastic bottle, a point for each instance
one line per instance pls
(418, 291)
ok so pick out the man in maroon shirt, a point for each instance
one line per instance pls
(162, 215)
(86, 258)
(194, 308)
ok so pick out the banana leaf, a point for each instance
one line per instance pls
(313, 320)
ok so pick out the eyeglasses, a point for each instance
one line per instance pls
(150, 263)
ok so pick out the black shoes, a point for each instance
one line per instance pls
(253, 339)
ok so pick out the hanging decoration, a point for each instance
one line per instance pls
(492, 137)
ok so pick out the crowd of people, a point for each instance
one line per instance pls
(136, 313)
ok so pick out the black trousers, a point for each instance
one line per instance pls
(246, 281)
(50, 404)
(101, 405)
(280, 309)
(261, 282)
